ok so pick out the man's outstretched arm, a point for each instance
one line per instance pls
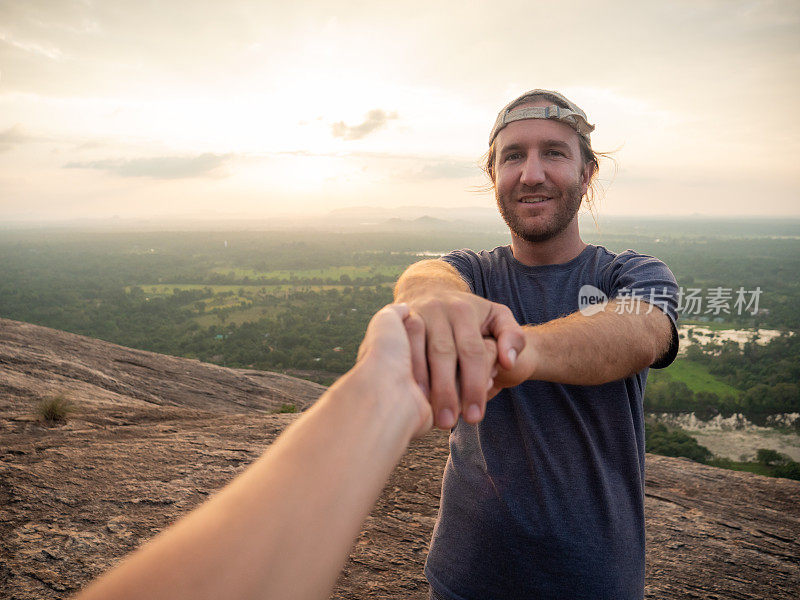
(451, 358)
(590, 350)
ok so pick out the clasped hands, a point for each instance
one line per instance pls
(459, 351)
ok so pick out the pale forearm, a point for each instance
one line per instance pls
(284, 527)
(428, 277)
(596, 349)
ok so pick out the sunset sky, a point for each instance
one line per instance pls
(256, 109)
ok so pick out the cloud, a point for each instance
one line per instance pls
(159, 167)
(13, 136)
(450, 169)
(17, 136)
(47, 51)
(375, 120)
(90, 145)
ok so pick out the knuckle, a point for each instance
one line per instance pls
(441, 347)
(460, 310)
(414, 325)
(470, 349)
(428, 304)
(505, 312)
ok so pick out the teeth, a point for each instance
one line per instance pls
(533, 200)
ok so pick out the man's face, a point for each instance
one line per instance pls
(540, 177)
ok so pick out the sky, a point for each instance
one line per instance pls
(133, 109)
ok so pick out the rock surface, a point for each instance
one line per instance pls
(153, 436)
(38, 361)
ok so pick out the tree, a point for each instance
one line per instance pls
(771, 457)
(673, 442)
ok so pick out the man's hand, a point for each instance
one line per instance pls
(520, 371)
(458, 340)
(457, 343)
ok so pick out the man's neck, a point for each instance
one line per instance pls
(560, 249)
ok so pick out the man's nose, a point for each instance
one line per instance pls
(532, 171)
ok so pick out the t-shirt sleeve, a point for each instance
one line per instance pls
(639, 277)
(468, 266)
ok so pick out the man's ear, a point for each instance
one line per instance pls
(586, 176)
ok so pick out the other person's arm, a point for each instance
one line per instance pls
(284, 527)
(448, 352)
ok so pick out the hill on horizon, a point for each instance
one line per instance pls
(152, 436)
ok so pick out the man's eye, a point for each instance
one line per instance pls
(554, 153)
(512, 156)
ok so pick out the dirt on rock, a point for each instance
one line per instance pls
(153, 436)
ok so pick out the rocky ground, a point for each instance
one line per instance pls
(150, 439)
(104, 378)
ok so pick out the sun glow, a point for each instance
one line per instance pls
(381, 102)
(297, 173)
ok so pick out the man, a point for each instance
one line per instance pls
(543, 492)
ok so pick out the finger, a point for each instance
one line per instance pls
(510, 345)
(493, 388)
(510, 336)
(490, 348)
(415, 329)
(442, 359)
(476, 412)
(384, 329)
(400, 309)
(473, 364)
(387, 318)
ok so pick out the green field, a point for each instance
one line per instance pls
(697, 377)
(238, 317)
(750, 467)
(167, 289)
(350, 271)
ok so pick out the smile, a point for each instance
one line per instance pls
(536, 200)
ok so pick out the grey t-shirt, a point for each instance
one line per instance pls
(544, 498)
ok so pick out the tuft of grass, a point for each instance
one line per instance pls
(286, 408)
(55, 409)
(698, 378)
(788, 469)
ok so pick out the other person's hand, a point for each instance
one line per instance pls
(384, 362)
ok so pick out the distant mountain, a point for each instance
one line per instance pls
(424, 223)
(152, 436)
(412, 211)
(441, 216)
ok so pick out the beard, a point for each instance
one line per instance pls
(567, 200)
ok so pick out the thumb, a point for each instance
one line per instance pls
(509, 334)
(385, 331)
(510, 345)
